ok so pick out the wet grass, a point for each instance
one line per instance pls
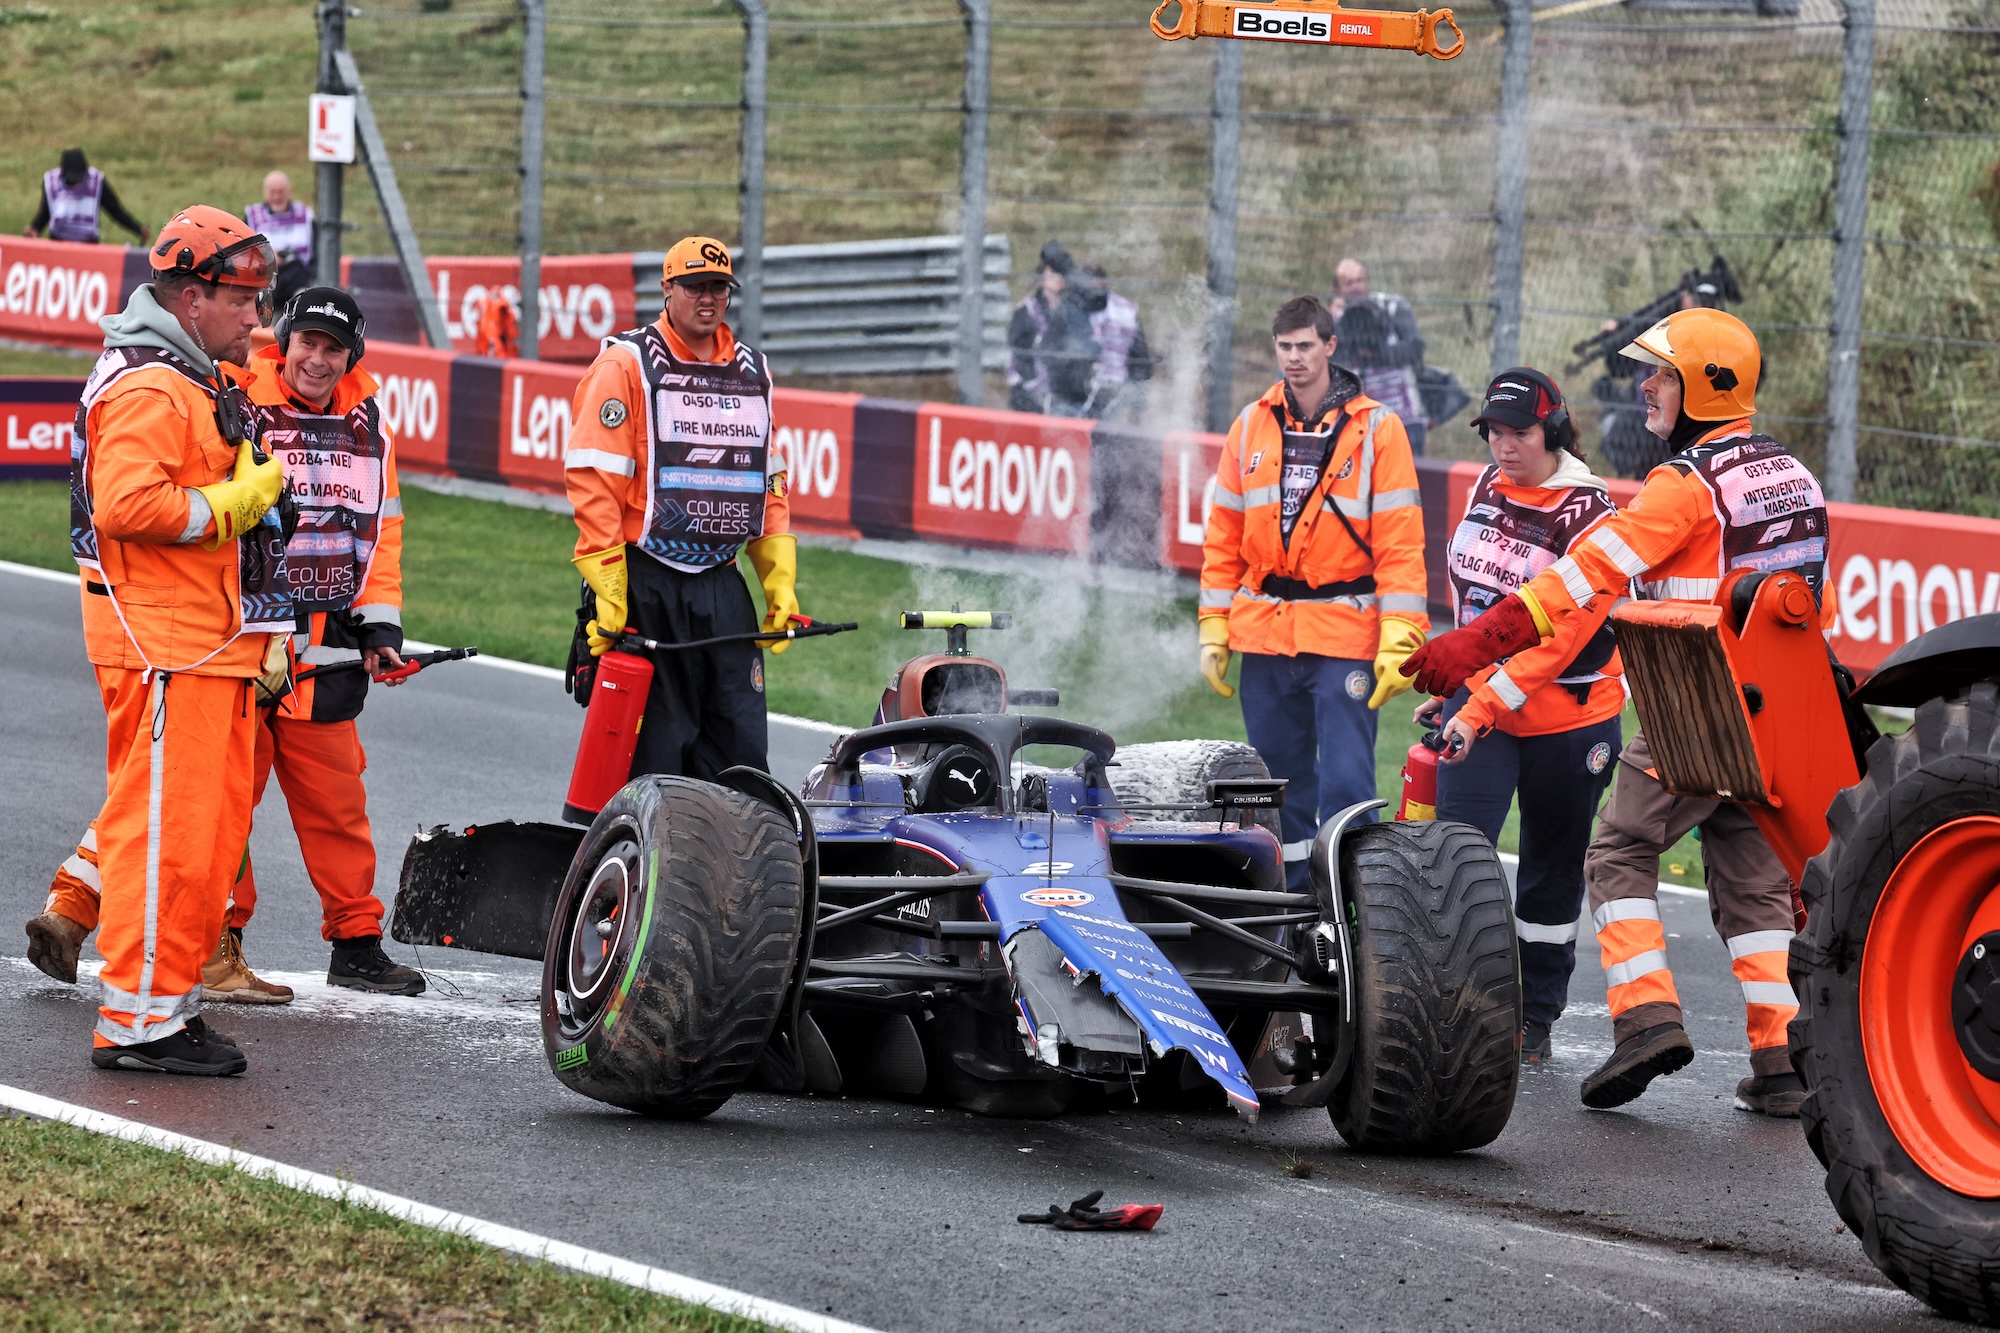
(100, 1234)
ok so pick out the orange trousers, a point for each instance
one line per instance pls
(319, 767)
(169, 838)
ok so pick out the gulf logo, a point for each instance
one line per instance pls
(1053, 897)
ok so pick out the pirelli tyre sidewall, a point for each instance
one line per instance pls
(1940, 780)
(672, 946)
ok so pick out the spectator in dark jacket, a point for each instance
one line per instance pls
(1027, 373)
(1123, 359)
(1378, 340)
(72, 193)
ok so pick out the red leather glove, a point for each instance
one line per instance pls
(1444, 664)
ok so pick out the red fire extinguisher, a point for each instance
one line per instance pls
(1420, 778)
(610, 734)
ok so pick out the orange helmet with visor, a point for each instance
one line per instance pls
(217, 248)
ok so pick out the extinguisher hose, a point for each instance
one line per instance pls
(809, 629)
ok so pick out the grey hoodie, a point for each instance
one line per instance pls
(144, 324)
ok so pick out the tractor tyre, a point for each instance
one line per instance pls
(1437, 992)
(1898, 1031)
(672, 947)
(1178, 773)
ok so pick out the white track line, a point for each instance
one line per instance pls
(539, 1248)
(418, 646)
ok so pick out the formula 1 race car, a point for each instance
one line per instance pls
(1004, 912)
(1894, 842)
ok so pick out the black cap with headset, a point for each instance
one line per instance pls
(1524, 397)
(329, 310)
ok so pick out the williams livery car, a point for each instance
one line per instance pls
(1005, 912)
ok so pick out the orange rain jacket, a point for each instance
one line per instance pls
(603, 475)
(1372, 478)
(152, 438)
(380, 600)
(1547, 708)
(1668, 542)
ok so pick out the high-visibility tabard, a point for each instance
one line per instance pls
(73, 208)
(1772, 510)
(264, 598)
(708, 434)
(336, 466)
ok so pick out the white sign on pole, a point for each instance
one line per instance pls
(331, 138)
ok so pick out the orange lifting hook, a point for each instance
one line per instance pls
(1326, 24)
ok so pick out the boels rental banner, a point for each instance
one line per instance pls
(814, 433)
(56, 291)
(415, 398)
(1003, 479)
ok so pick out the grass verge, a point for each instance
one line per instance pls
(498, 576)
(316, 1264)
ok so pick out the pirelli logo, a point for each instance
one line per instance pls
(1282, 25)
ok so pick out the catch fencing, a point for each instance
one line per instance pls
(1562, 172)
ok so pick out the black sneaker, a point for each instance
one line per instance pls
(1775, 1095)
(360, 964)
(1536, 1048)
(195, 1049)
(1639, 1060)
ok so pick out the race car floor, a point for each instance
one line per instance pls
(1677, 1209)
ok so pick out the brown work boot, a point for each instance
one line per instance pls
(1637, 1061)
(226, 978)
(1777, 1095)
(55, 943)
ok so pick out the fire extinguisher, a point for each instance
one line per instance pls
(610, 734)
(1420, 776)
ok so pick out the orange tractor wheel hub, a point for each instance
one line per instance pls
(1940, 903)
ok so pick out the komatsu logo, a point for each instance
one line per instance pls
(1283, 25)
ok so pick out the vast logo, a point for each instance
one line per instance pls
(43, 291)
(1285, 26)
(983, 475)
(812, 457)
(547, 434)
(1053, 897)
(409, 406)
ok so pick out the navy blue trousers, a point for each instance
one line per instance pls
(1559, 779)
(1308, 716)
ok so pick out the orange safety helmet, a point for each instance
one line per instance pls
(1716, 356)
(214, 246)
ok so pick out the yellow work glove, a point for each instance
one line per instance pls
(605, 572)
(776, 560)
(1399, 639)
(271, 686)
(238, 503)
(1214, 631)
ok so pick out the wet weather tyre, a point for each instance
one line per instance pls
(672, 947)
(1436, 1040)
(1898, 1111)
(1178, 773)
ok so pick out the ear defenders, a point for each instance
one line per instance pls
(1558, 430)
(282, 331)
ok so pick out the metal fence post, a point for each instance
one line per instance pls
(749, 307)
(1224, 173)
(534, 53)
(1510, 203)
(329, 178)
(972, 203)
(1850, 249)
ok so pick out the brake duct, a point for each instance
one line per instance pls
(1304, 21)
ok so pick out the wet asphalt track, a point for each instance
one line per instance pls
(1677, 1210)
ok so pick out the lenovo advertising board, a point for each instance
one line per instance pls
(1005, 479)
(56, 291)
(414, 394)
(584, 298)
(1188, 460)
(535, 400)
(814, 433)
(40, 415)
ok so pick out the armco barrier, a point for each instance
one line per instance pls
(1010, 481)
